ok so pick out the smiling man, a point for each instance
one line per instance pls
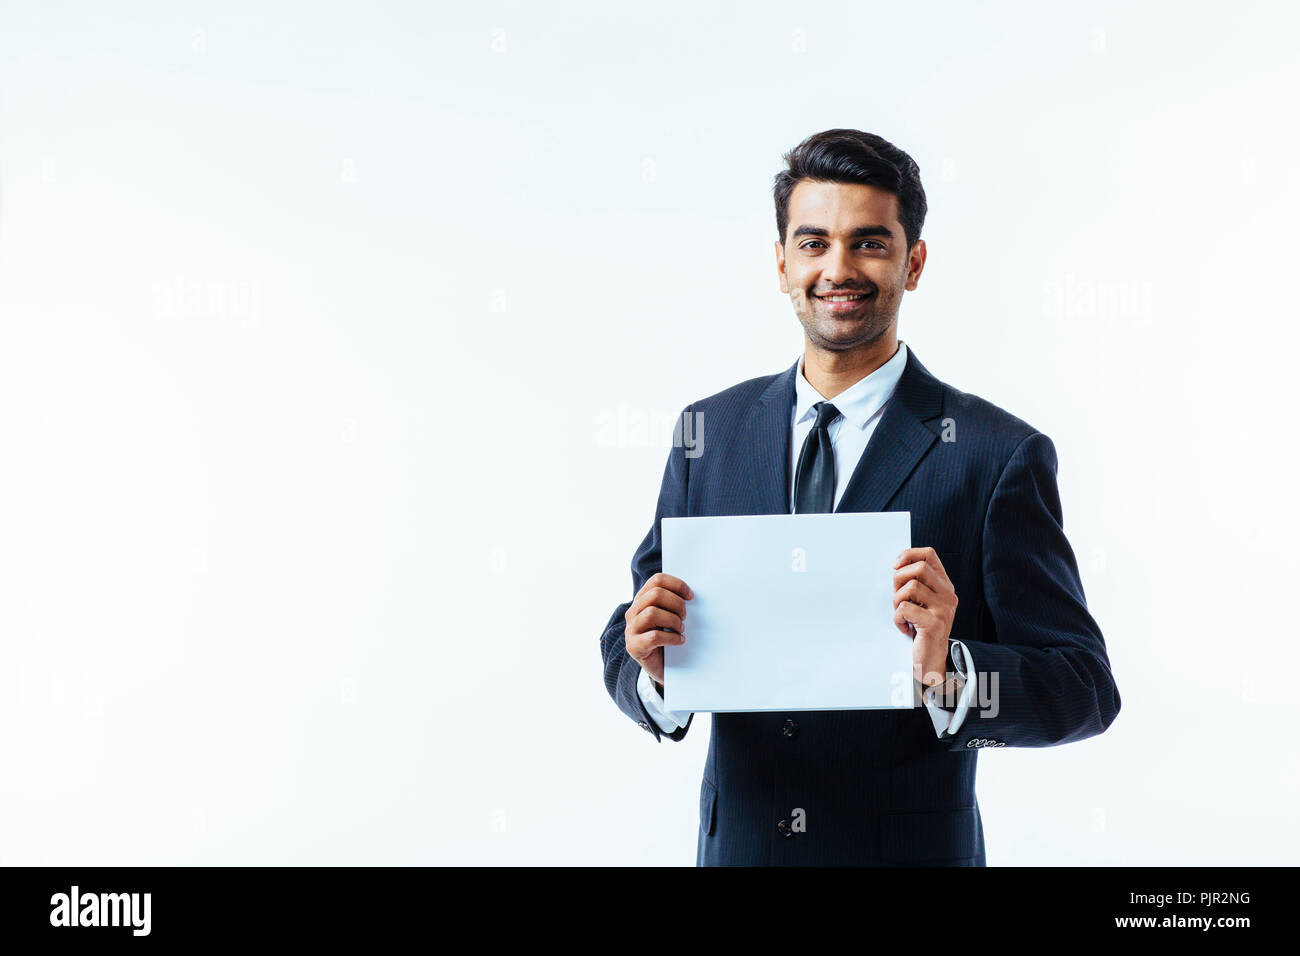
(992, 587)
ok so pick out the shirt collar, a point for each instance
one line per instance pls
(860, 401)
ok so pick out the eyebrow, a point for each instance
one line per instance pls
(857, 233)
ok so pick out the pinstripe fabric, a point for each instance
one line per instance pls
(877, 787)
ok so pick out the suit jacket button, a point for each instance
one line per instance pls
(783, 828)
(790, 728)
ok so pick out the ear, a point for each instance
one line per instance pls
(915, 263)
(780, 267)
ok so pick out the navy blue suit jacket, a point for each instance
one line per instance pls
(879, 787)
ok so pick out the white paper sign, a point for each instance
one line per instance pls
(791, 612)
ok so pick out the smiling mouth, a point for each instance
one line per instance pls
(843, 301)
(849, 297)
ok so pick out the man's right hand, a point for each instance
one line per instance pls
(661, 603)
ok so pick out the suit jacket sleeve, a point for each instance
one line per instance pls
(621, 672)
(1045, 678)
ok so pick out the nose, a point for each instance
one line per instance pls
(837, 267)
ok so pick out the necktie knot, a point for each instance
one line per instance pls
(826, 413)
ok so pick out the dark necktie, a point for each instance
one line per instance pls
(814, 479)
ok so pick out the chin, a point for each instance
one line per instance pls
(846, 335)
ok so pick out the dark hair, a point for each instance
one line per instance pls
(852, 156)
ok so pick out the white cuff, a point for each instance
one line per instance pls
(654, 705)
(945, 723)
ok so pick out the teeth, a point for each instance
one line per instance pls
(842, 298)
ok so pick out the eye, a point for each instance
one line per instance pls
(872, 242)
(809, 245)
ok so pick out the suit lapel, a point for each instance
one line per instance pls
(901, 438)
(769, 426)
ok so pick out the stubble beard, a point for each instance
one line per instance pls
(827, 333)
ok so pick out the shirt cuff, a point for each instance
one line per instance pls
(946, 723)
(654, 705)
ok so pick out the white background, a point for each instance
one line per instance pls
(336, 348)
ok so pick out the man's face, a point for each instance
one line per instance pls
(846, 238)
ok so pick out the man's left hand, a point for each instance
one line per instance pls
(924, 605)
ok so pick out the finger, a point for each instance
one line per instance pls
(917, 593)
(644, 644)
(914, 614)
(902, 623)
(927, 555)
(937, 581)
(660, 597)
(653, 617)
(919, 570)
(676, 585)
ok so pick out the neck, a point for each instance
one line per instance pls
(831, 372)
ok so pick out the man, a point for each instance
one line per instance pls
(858, 424)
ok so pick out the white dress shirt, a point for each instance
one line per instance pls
(861, 406)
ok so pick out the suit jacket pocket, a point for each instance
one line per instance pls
(708, 806)
(929, 836)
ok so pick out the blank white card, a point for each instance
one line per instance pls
(791, 612)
